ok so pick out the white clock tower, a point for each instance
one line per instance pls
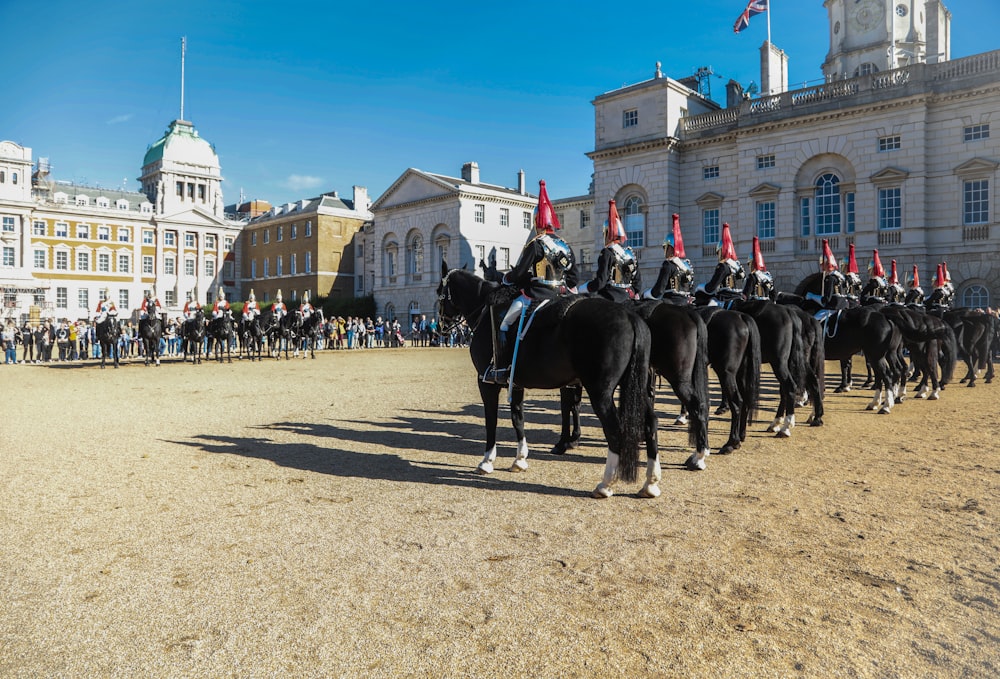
(867, 36)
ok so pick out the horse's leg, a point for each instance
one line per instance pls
(517, 420)
(604, 406)
(731, 397)
(653, 472)
(845, 376)
(785, 419)
(569, 409)
(490, 394)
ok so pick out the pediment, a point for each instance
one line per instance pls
(709, 199)
(413, 186)
(765, 190)
(890, 175)
(976, 166)
(193, 217)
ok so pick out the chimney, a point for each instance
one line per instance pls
(734, 94)
(520, 182)
(361, 200)
(470, 172)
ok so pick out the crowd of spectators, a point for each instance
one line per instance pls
(63, 340)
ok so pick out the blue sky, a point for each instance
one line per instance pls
(304, 97)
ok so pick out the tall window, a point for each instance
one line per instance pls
(503, 258)
(189, 269)
(281, 233)
(209, 268)
(584, 219)
(147, 237)
(766, 222)
(169, 266)
(9, 258)
(527, 220)
(123, 298)
(389, 263)
(415, 255)
(253, 268)
(710, 225)
(890, 208)
(309, 262)
(124, 263)
(267, 267)
(309, 228)
(630, 118)
(635, 222)
(62, 230)
(83, 298)
(8, 224)
(805, 220)
(267, 236)
(170, 238)
(976, 201)
(277, 265)
(83, 261)
(83, 231)
(124, 234)
(209, 241)
(38, 228)
(170, 298)
(62, 298)
(147, 264)
(189, 240)
(39, 259)
(828, 213)
(103, 233)
(480, 213)
(62, 260)
(504, 216)
(292, 264)
(295, 232)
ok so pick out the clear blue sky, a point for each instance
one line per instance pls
(304, 97)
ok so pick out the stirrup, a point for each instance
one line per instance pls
(494, 375)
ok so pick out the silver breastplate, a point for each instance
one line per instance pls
(557, 260)
(625, 266)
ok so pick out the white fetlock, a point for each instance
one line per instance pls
(485, 468)
(520, 465)
(602, 491)
(783, 432)
(774, 425)
(698, 460)
(935, 395)
(650, 490)
(681, 419)
(790, 423)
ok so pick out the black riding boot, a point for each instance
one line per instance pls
(498, 371)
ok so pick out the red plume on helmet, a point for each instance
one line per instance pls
(545, 216)
(678, 239)
(852, 262)
(613, 230)
(915, 283)
(944, 268)
(758, 259)
(940, 280)
(726, 248)
(828, 263)
(893, 278)
(877, 268)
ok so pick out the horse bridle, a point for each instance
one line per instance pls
(455, 321)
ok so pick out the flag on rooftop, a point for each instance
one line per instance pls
(754, 7)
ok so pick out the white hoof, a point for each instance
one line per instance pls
(681, 420)
(884, 410)
(696, 462)
(774, 425)
(920, 394)
(650, 490)
(935, 395)
(519, 465)
(485, 468)
(783, 433)
(602, 492)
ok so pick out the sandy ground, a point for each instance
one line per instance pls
(322, 518)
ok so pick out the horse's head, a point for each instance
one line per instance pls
(457, 293)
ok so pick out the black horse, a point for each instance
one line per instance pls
(679, 353)
(311, 331)
(598, 343)
(734, 352)
(150, 332)
(975, 331)
(252, 337)
(930, 342)
(220, 334)
(193, 332)
(108, 332)
(284, 331)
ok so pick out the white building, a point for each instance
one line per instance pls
(62, 245)
(893, 152)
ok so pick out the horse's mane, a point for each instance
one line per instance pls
(811, 283)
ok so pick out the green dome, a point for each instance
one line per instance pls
(181, 143)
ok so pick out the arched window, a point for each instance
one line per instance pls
(389, 259)
(441, 244)
(976, 297)
(827, 198)
(390, 311)
(635, 221)
(415, 255)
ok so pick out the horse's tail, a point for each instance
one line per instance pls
(748, 376)
(798, 363)
(698, 407)
(949, 354)
(818, 357)
(633, 400)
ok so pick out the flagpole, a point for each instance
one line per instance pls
(769, 22)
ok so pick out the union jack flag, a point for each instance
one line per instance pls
(754, 7)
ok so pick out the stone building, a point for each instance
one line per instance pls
(894, 151)
(64, 244)
(306, 246)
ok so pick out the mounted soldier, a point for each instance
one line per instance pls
(895, 294)
(676, 274)
(943, 293)
(545, 270)
(852, 278)
(150, 305)
(728, 280)
(877, 287)
(760, 284)
(915, 295)
(105, 307)
(834, 286)
(617, 277)
(250, 308)
(221, 305)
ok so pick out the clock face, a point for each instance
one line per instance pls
(867, 14)
(901, 10)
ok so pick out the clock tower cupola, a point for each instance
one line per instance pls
(868, 36)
